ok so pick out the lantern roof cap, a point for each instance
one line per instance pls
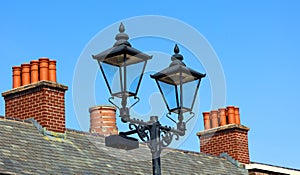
(177, 66)
(121, 46)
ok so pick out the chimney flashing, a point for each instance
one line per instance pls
(45, 132)
(232, 160)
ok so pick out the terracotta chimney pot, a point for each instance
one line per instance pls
(44, 101)
(222, 116)
(206, 120)
(52, 70)
(103, 120)
(231, 115)
(237, 115)
(231, 139)
(25, 74)
(44, 69)
(214, 119)
(34, 71)
(16, 76)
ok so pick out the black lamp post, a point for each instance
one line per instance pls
(123, 67)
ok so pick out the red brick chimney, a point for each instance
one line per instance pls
(35, 96)
(103, 120)
(225, 134)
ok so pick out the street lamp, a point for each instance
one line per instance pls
(178, 85)
(123, 67)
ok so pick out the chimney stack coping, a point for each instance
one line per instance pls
(34, 85)
(221, 128)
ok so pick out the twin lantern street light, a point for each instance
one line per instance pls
(123, 68)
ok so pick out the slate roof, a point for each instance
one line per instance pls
(24, 150)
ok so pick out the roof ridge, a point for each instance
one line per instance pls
(278, 166)
(166, 148)
(85, 132)
(15, 119)
(185, 151)
(29, 121)
(103, 136)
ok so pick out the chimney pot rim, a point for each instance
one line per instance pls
(16, 67)
(214, 111)
(42, 59)
(25, 65)
(34, 61)
(102, 107)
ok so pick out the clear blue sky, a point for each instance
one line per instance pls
(257, 44)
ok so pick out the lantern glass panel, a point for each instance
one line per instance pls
(169, 93)
(134, 74)
(179, 97)
(123, 74)
(189, 91)
(114, 76)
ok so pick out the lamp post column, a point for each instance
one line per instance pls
(155, 145)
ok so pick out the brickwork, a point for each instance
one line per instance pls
(231, 139)
(256, 173)
(44, 101)
(252, 172)
(103, 120)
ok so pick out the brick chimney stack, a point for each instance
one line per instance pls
(36, 96)
(103, 120)
(224, 134)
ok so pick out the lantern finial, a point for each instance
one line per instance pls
(177, 58)
(176, 49)
(122, 37)
(121, 28)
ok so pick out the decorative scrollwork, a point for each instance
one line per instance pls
(142, 131)
(167, 138)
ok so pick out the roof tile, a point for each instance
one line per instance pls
(26, 151)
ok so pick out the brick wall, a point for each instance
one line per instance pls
(44, 101)
(230, 139)
(223, 133)
(253, 172)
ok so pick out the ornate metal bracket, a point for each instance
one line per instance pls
(110, 100)
(167, 138)
(154, 134)
(141, 130)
